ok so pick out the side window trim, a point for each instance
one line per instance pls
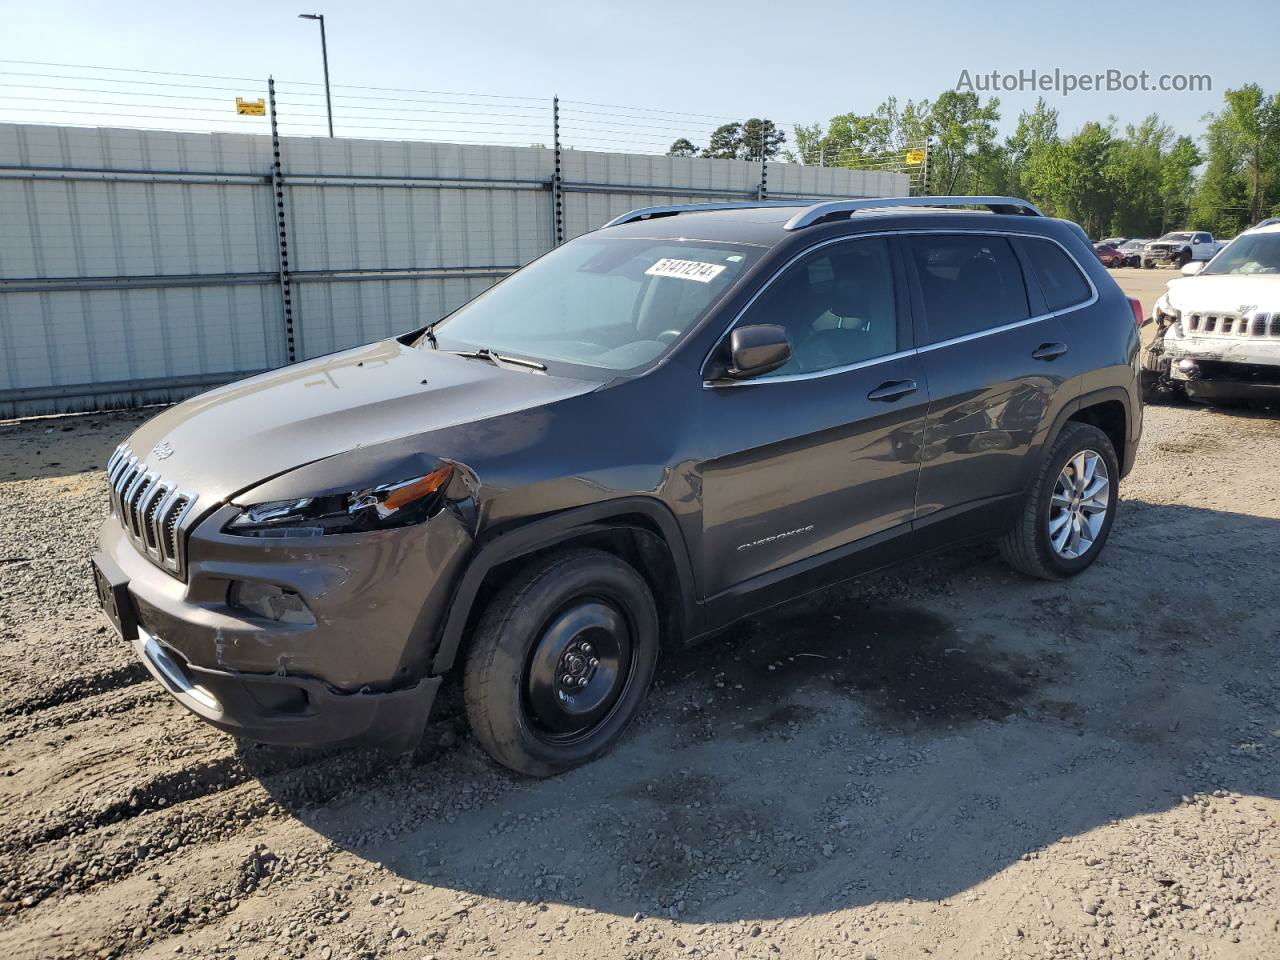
(899, 296)
(1037, 301)
(1013, 238)
(1008, 237)
(912, 280)
(1093, 289)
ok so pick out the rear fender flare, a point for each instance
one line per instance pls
(1090, 399)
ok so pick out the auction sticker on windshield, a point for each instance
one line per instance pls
(686, 269)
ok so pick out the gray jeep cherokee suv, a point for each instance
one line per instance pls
(678, 420)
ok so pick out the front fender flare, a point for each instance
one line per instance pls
(508, 545)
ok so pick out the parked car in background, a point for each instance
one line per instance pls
(1132, 250)
(1218, 326)
(1180, 248)
(1113, 241)
(684, 418)
(1109, 254)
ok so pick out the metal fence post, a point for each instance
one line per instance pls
(282, 227)
(557, 184)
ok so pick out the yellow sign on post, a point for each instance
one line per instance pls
(251, 108)
(915, 157)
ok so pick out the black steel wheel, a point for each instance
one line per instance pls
(560, 661)
(579, 667)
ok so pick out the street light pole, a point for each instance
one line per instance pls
(324, 54)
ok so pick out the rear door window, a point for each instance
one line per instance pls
(1061, 281)
(969, 282)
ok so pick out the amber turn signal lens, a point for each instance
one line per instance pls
(417, 489)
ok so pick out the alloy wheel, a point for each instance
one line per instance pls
(1078, 509)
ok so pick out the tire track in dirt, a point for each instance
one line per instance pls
(209, 800)
(78, 688)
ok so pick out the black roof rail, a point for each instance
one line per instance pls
(832, 208)
(828, 209)
(671, 210)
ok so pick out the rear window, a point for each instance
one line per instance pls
(969, 283)
(1060, 279)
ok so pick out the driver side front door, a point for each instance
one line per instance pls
(820, 457)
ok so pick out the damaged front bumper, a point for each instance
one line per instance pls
(1213, 368)
(294, 711)
(355, 670)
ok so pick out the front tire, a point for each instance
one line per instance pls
(1068, 513)
(560, 661)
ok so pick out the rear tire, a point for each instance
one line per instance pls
(560, 661)
(1068, 503)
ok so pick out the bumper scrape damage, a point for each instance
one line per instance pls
(1229, 355)
(298, 638)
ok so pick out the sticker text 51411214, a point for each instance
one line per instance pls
(686, 269)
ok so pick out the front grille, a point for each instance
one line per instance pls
(1229, 325)
(150, 509)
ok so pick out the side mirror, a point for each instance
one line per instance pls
(1192, 268)
(753, 351)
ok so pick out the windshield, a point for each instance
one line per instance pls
(1176, 236)
(614, 303)
(1259, 253)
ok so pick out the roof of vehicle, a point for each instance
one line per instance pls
(1269, 228)
(771, 224)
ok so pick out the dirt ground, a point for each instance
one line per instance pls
(947, 760)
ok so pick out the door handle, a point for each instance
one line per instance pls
(892, 390)
(1049, 351)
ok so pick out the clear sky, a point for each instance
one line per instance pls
(794, 62)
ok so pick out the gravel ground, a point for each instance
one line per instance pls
(945, 760)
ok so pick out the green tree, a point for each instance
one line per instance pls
(1070, 177)
(1243, 145)
(962, 129)
(725, 142)
(1036, 132)
(761, 137)
(745, 140)
(1177, 180)
(809, 144)
(682, 148)
(1134, 172)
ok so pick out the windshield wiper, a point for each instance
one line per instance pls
(497, 359)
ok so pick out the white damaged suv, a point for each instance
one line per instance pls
(1217, 334)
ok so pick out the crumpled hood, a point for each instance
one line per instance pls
(1225, 294)
(236, 436)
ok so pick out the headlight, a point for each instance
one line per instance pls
(374, 508)
(1166, 316)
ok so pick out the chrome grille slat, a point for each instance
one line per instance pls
(150, 510)
(134, 500)
(147, 511)
(1259, 324)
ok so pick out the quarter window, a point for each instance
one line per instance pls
(837, 306)
(1061, 281)
(969, 283)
